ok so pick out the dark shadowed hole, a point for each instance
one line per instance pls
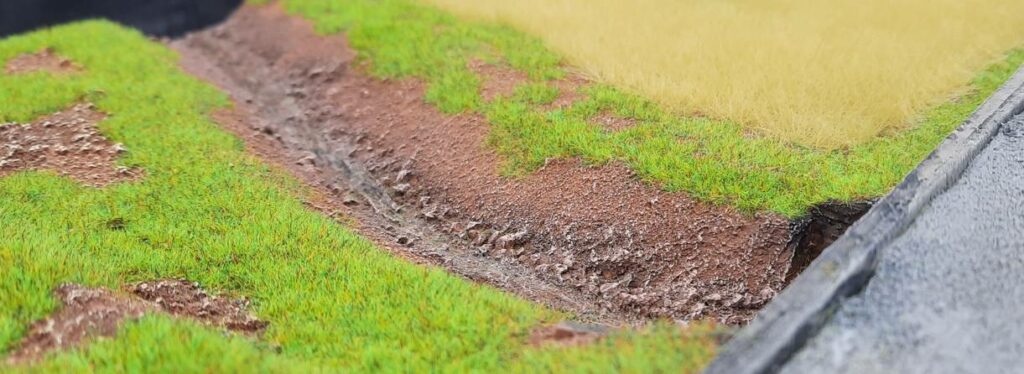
(825, 224)
(153, 17)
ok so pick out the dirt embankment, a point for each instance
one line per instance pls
(594, 240)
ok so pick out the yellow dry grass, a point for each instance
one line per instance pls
(827, 74)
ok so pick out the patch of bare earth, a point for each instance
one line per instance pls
(498, 80)
(88, 313)
(611, 122)
(182, 298)
(595, 240)
(501, 81)
(45, 60)
(66, 142)
(568, 91)
(566, 334)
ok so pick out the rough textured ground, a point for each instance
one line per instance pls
(185, 299)
(43, 61)
(402, 233)
(946, 294)
(343, 189)
(98, 312)
(597, 230)
(66, 142)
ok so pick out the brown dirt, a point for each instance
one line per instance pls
(568, 91)
(331, 202)
(612, 122)
(566, 334)
(45, 60)
(98, 312)
(86, 312)
(66, 142)
(498, 80)
(502, 81)
(629, 248)
(341, 190)
(182, 298)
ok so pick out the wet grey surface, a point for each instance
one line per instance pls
(948, 294)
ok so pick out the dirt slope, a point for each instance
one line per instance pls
(595, 234)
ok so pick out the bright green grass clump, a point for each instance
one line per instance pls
(208, 212)
(712, 160)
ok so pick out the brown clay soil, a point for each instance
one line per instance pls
(45, 60)
(568, 91)
(498, 80)
(591, 240)
(66, 142)
(566, 334)
(182, 298)
(98, 312)
(612, 122)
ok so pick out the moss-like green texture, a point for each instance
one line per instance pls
(208, 212)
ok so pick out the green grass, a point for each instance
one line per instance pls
(208, 212)
(712, 160)
(825, 74)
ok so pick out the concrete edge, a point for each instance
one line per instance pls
(798, 313)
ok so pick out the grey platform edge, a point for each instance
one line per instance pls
(845, 267)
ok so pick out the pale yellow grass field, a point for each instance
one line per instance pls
(825, 73)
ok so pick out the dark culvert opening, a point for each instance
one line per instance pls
(826, 223)
(153, 17)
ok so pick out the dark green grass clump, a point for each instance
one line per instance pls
(715, 161)
(207, 212)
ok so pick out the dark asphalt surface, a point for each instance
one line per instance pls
(948, 294)
(153, 17)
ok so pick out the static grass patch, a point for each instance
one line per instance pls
(826, 74)
(717, 161)
(208, 212)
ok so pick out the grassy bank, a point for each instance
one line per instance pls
(714, 160)
(826, 74)
(208, 212)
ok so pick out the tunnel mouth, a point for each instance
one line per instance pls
(159, 18)
(820, 228)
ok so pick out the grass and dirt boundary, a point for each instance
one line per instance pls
(207, 212)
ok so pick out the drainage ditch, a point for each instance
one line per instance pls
(593, 241)
(590, 268)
